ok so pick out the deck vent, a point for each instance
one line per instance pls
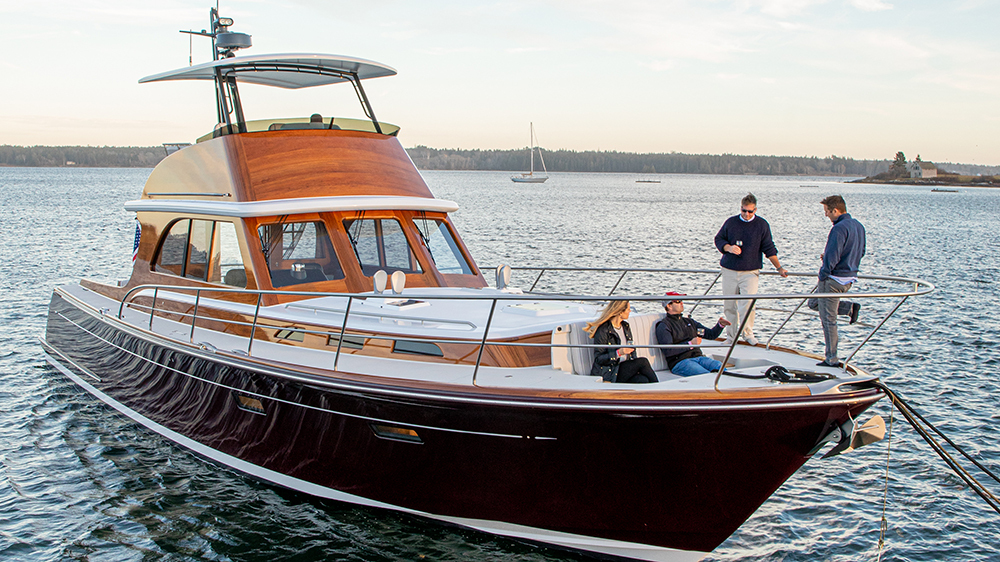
(396, 433)
(249, 404)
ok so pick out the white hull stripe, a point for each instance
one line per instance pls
(566, 540)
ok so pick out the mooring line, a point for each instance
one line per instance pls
(884, 524)
(912, 417)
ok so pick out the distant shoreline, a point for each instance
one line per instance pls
(938, 182)
(515, 160)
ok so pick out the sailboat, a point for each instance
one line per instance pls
(529, 176)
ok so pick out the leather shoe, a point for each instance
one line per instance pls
(836, 365)
(855, 309)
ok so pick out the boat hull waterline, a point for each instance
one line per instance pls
(655, 481)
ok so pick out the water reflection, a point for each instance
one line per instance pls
(80, 482)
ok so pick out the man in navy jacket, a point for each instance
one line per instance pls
(845, 246)
(742, 240)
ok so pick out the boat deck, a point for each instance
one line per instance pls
(518, 317)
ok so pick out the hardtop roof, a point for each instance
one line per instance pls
(292, 70)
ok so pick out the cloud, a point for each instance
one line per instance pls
(787, 8)
(870, 5)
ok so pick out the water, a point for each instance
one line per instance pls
(79, 482)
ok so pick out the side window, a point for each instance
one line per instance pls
(298, 252)
(173, 251)
(231, 270)
(199, 246)
(442, 246)
(189, 245)
(381, 244)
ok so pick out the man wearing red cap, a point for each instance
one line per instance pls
(676, 329)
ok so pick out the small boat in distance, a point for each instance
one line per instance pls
(647, 181)
(529, 176)
(939, 190)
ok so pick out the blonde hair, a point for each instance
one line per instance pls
(614, 308)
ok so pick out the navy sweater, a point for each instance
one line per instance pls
(756, 240)
(845, 246)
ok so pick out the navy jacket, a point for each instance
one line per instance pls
(754, 238)
(675, 328)
(845, 246)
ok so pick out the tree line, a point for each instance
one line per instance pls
(638, 163)
(81, 156)
(511, 160)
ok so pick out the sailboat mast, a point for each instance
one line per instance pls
(531, 148)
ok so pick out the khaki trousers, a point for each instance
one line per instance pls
(739, 283)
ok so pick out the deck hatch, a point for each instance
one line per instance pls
(396, 433)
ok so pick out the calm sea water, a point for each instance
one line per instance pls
(79, 482)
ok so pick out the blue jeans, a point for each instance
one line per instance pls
(696, 366)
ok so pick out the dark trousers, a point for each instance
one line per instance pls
(636, 371)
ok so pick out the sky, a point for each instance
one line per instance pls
(853, 78)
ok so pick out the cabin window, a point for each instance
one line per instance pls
(415, 347)
(199, 246)
(298, 252)
(190, 243)
(231, 270)
(173, 251)
(381, 244)
(441, 246)
(350, 342)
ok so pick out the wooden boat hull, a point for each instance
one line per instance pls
(648, 480)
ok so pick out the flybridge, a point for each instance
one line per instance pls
(290, 71)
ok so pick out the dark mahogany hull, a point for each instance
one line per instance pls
(681, 476)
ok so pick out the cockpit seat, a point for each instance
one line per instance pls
(579, 360)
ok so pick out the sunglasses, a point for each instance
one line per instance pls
(675, 302)
(748, 211)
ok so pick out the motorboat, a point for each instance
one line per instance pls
(302, 310)
(529, 176)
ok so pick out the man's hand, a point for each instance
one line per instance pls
(695, 341)
(723, 322)
(733, 249)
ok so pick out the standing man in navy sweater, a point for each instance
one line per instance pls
(742, 240)
(845, 246)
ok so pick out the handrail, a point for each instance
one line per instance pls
(732, 344)
(790, 314)
(712, 284)
(919, 287)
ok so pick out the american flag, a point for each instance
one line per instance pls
(138, 234)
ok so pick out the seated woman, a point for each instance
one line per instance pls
(617, 364)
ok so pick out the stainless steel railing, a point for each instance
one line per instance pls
(919, 287)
